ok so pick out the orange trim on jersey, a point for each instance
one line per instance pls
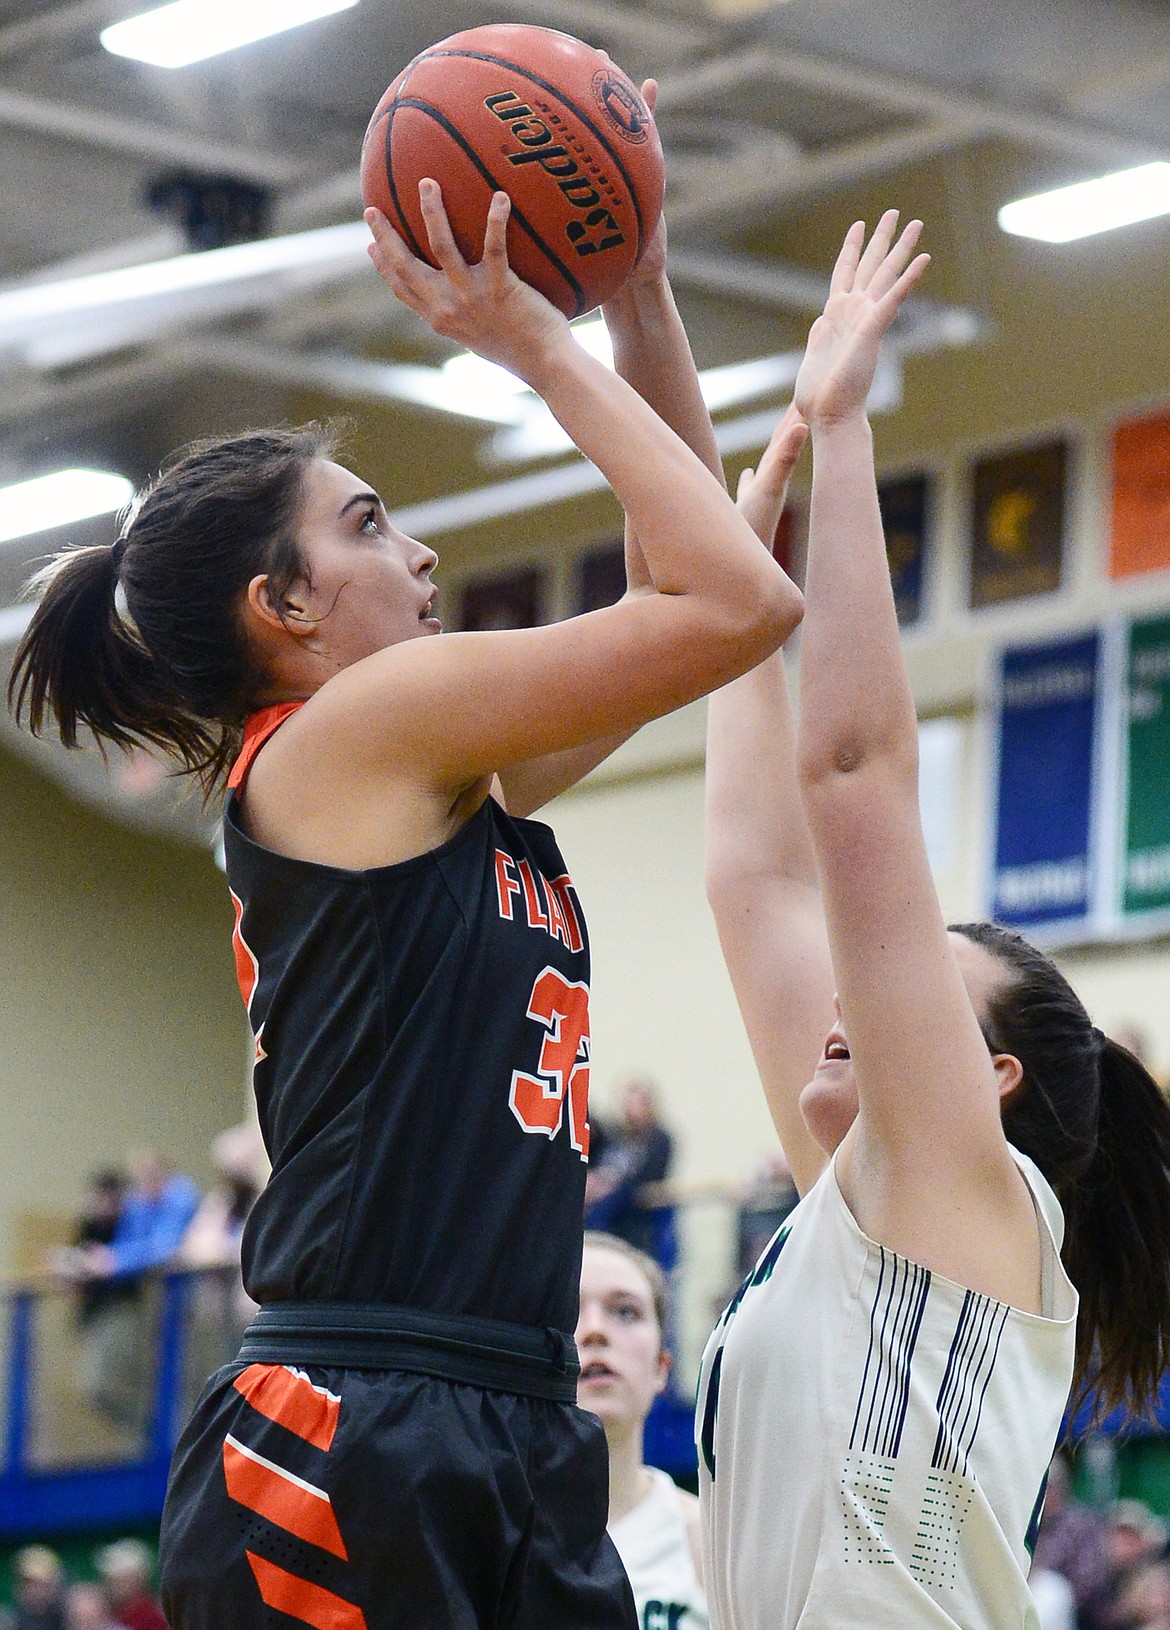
(301, 1599)
(290, 1503)
(291, 1400)
(257, 729)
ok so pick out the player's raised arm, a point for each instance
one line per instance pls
(719, 604)
(927, 1155)
(651, 352)
(762, 879)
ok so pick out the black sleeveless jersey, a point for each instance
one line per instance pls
(422, 1074)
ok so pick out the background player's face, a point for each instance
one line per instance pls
(829, 1101)
(623, 1366)
(368, 585)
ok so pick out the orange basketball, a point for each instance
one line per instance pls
(543, 117)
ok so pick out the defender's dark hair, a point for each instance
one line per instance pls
(1098, 1126)
(172, 668)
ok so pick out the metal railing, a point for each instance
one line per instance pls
(93, 1400)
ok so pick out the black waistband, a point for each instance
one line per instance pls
(373, 1336)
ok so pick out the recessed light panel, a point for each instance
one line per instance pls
(190, 30)
(1087, 207)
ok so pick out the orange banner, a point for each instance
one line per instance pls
(1140, 535)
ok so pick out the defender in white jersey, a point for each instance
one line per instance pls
(624, 1366)
(879, 1404)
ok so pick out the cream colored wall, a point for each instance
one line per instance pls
(661, 1002)
(120, 1023)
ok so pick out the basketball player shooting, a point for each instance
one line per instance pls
(398, 1443)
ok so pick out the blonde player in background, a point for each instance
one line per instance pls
(621, 1335)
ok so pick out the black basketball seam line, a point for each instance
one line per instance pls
(390, 182)
(388, 115)
(502, 62)
(517, 214)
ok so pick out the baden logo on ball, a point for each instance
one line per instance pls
(541, 116)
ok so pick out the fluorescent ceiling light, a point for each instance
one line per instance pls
(56, 500)
(325, 251)
(190, 30)
(1091, 206)
(482, 389)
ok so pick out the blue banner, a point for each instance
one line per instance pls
(1044, 797)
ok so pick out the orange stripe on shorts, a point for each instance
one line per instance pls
(288, 1501)
(303, 1600)
(291, 1400)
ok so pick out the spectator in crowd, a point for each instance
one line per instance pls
(638, 1153)
(215, 1232)
(86, 1608)
(155, 1211)
(763, 1205)
(101, 1210)
(1074, 1543)
(1143, 1602)
(1135, 1537)
(126, 1568)
(39, 1581)
(624, 1366)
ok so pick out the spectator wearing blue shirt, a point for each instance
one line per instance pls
(156, 1209)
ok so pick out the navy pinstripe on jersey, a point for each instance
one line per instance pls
(966, 1378)
(894, 1321)
(422, 1064)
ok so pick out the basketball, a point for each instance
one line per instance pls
(541, 116)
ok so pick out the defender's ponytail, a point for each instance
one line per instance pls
(1117, 1248)
(143, 641)
(1098, 1126)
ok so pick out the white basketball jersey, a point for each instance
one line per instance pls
(652, 1543)
(873, 1438)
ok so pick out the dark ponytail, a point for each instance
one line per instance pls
(142, 641)
(1098, 1126)
(1118, 1244)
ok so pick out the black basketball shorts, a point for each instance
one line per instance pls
(381, 1500)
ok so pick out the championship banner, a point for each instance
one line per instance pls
(1139, 536)
(1044, 794)
(1017, 524)
(903, 504)
(1145, 871)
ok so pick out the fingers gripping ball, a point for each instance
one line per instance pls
(543, 117)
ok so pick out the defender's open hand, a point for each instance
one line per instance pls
(868, 287)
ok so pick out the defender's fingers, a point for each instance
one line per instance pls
(495, 237)
(650, 93)
(843, 272)
(439, 234)
(877, 249)
(743, 485)
(888, 306)
(782, 453)
(896, 261)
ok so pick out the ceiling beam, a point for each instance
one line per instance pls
(921, 99)
(159, 143)
(662, 35)
(764, 174)
(59, 22)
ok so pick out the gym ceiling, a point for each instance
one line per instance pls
(781, 123)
